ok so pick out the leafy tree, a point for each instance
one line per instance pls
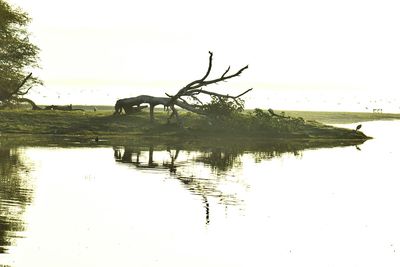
(17, 56)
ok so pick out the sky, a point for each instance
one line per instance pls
(310, 55)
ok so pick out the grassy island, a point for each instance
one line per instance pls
(256, 125)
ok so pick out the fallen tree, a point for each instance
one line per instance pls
(188, 97)
(224, 113)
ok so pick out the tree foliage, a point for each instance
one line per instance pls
(18, 55)
(223, 107)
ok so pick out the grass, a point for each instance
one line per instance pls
(330, 117)
(103, 123)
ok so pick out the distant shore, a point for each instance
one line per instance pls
(333, 117)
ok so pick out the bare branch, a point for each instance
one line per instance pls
(209, 66)
(181, 100)
(223, 75)
(245, 92)
(225, 96)
(15, 91)
(198, 82)
(224, 78)
(195, 87)
(25, 80)
(192, 108)
(24, 93)
(196, 99)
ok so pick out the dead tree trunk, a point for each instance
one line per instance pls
(128, 105)
(189, 93)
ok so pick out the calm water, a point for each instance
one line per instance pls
(131, 206)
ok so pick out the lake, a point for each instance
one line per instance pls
(129, 204)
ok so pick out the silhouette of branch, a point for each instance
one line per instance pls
(195, 87)
(226, 96)
(24, 93)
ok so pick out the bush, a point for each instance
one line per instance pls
(275, 124)
(223, 107)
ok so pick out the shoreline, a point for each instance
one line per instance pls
(103, 123)
(238, 144)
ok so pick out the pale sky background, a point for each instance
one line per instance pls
(310, 55)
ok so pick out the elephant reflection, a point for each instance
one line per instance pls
(15, 191)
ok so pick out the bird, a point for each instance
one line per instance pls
(96, 139)
(358, 127)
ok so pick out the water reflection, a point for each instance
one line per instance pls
(145, 198)
(210, 173)
(221, 160)
(15, 195)
(204, 180)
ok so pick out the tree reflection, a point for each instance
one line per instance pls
(171, 164)
(182, 165)
(221, 160)
(15, 195)
(133, 156)
(209, 172)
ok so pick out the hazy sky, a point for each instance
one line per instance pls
(329, 53)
